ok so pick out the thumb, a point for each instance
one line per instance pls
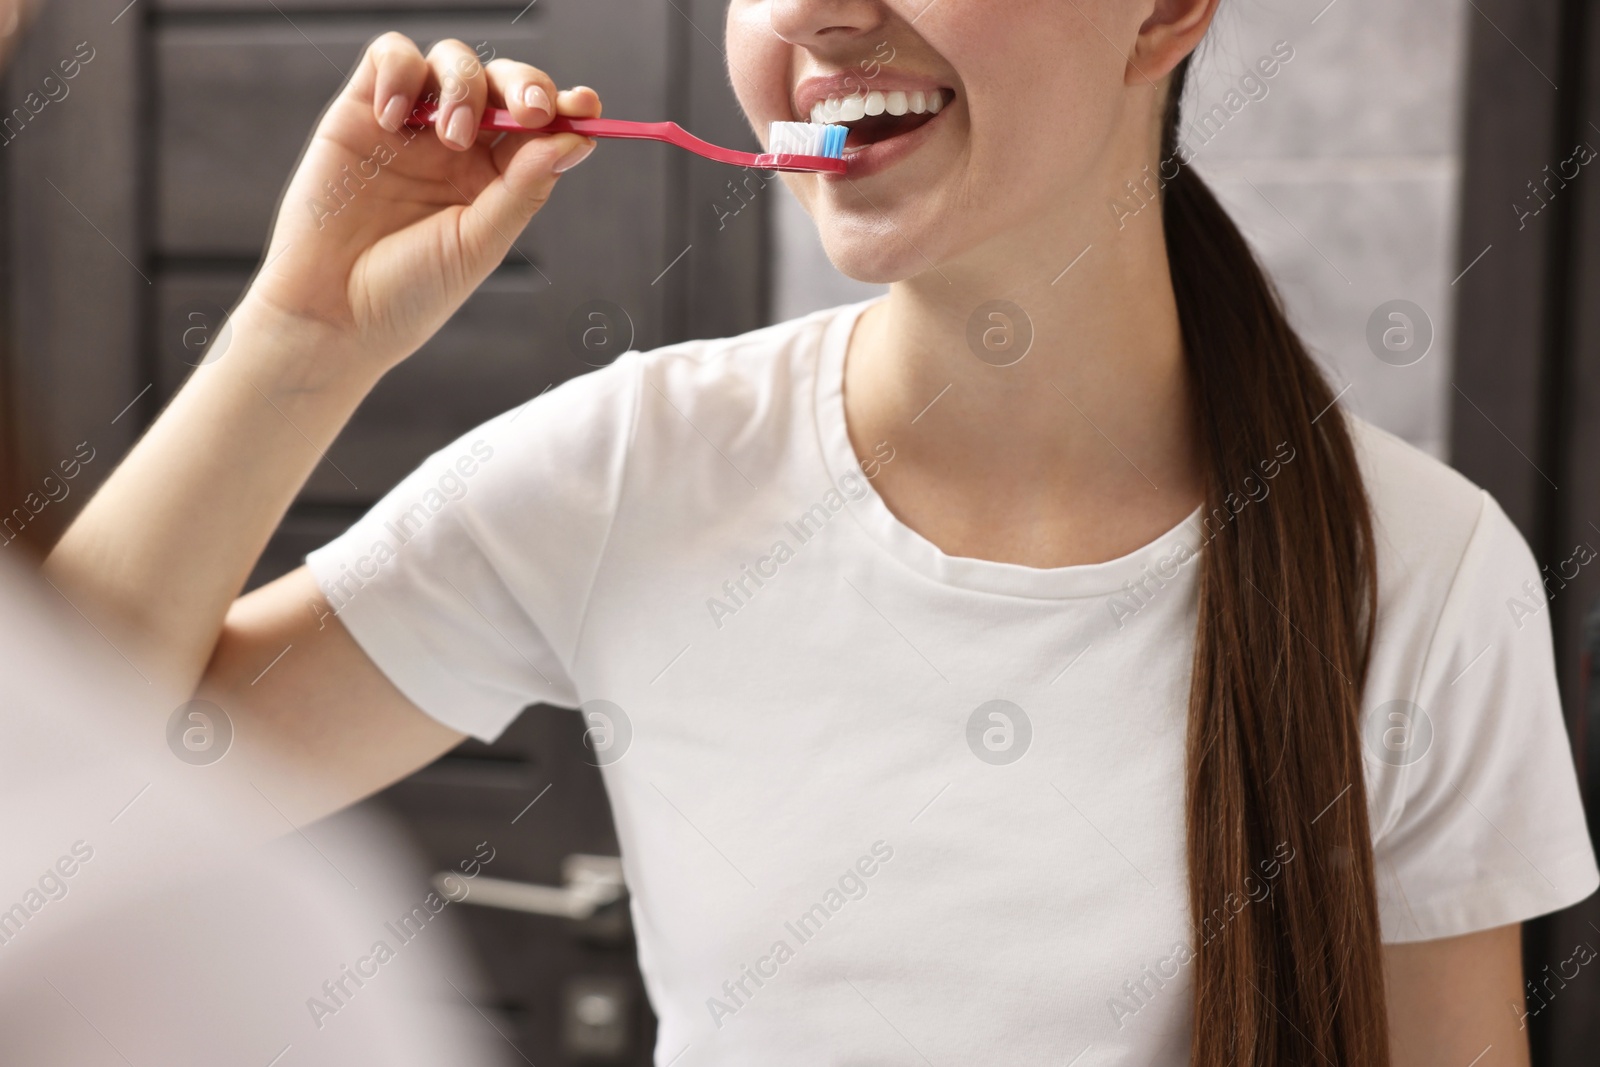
(526, 179)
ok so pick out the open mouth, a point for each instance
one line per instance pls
(877, 116)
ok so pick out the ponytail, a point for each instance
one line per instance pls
(1282, 893)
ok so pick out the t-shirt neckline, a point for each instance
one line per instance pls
(923, 556)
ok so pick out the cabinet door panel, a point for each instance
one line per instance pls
(236, 99)
(505, 346)
(235, 102)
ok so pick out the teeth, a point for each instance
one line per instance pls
(838, 109)
(851, 108)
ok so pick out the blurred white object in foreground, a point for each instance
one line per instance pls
(143, 922)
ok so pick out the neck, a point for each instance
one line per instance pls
(1098, 408)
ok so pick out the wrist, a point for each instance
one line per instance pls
(289, 353)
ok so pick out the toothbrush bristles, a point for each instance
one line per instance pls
(807, 139)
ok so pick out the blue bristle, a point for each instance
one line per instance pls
(834, 145)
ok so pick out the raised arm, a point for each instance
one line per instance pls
(159, 555)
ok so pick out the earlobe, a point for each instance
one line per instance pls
(1172, 31)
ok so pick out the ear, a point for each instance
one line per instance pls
(1173, 30)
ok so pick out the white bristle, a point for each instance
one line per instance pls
(798, 139)
(795, 139)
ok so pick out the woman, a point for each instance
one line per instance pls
(991, 672)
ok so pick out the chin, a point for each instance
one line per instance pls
(875, 249)
(870, 262)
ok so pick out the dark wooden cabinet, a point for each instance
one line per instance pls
(1527, 377)
(569, 988)
(136, 208)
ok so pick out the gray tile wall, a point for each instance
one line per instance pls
(1344, 177)
(1341, 170)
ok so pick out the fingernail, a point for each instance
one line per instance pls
(394, 112)
(459, 130)
(536, 98)
(573, 158)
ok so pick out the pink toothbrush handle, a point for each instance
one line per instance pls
(500, 120)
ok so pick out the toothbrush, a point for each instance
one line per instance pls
(800, 147)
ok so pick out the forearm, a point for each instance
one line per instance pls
(165, 546)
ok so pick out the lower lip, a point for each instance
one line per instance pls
(874, 158)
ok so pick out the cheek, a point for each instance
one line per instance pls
(758, 65)
(1045, 107)
(1032, 81)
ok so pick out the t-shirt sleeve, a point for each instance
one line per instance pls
(467, 583)
(1491, 828)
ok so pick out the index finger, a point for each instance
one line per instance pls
(395, 70)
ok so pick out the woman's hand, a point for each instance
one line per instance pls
(385, 229)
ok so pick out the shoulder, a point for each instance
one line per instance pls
(1476, 815)
(1428, 521)
(723, 412)
(1455, 575)
(745, 401)
(1458, 586)
(737, 372)
(703, 383)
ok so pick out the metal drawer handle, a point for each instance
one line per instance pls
(592, 882)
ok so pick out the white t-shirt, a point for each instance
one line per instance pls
(841, 850)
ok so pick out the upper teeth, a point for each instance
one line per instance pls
(860, 105)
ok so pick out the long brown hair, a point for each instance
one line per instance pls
(1288, 967)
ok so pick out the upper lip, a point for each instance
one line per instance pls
(814, 90)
